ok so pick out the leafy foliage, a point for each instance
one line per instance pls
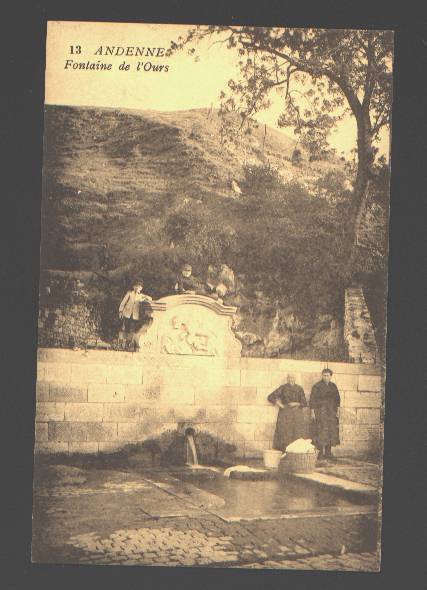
(321, 75)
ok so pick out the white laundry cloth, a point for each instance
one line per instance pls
(301, 445)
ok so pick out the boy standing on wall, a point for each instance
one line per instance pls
(130, 312)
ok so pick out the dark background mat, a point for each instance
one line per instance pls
(23, 46)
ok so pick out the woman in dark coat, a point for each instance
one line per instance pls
(291, 422)
(324, 402)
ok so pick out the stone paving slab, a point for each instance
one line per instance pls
(364, 474)
(336, 482)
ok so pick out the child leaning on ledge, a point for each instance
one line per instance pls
(129, 309)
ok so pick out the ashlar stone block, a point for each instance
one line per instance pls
(153, 376)
(251, 378)
(223, 430)
(82, 432)
(83, 412)
(46, 448)
(369, 383)
(143, 394)
(41, 432)
(41, 371)
(185, 413)
(123, 412)
(356, 399)
(368, 416)
(345, 382)
(89, 373)
(256, 415)
(47, 411)
(106, 392)
(243, 431)
(64, 392)
(180, 394)
(131, 432)
(57, 372)
(247, 395)
(84, 448)
(262, 395)
(347, 415)
(225, 396)
(255, 449)
(126, 374)
(221, 414)
(350, 432)
(264, 432)
(42, 391)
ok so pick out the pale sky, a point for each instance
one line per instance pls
(186, 85)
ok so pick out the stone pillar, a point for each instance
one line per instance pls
(358, 330)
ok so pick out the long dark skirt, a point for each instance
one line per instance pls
(292, 423)
(326, 427)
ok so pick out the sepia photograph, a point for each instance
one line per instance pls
(212, 317)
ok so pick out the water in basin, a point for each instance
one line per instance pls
(252, 499)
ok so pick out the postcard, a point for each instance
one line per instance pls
(212, 305)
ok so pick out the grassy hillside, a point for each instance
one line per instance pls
(139, 192)
(107, 169)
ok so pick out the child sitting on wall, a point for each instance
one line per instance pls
(188, 283)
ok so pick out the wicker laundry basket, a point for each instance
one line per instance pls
(299, 462)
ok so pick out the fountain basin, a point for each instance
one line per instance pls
(273, 497)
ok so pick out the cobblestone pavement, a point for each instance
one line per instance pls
(146, 525)
(191, 547)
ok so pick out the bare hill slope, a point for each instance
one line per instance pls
(110, 168)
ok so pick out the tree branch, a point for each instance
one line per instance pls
(317, 71)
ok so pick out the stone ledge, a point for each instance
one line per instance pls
(336, 483)
(108, 357)
(355, 368)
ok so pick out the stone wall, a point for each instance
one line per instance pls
(99, 401)
(358, 329)
(68, 324)
(67, 317)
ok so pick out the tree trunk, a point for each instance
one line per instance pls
(360, 193)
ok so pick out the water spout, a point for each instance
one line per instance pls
(190, 448)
